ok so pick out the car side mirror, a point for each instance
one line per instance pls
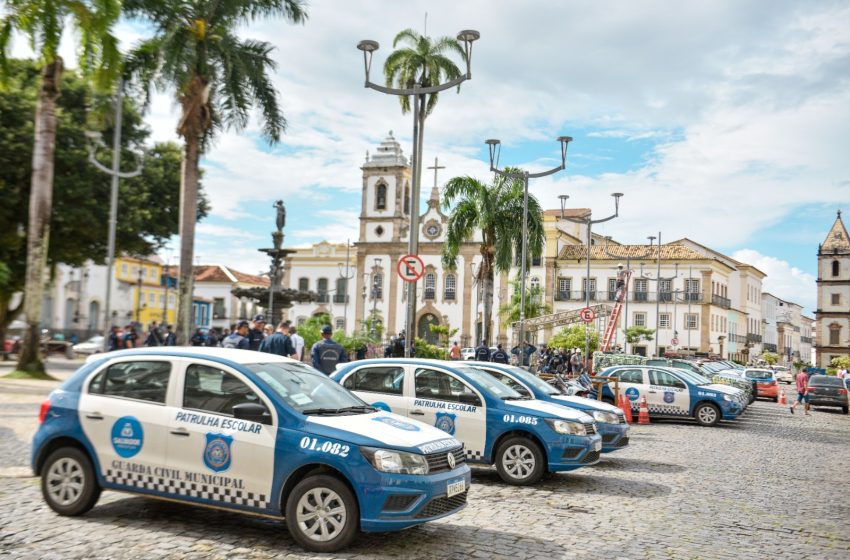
(253, 412)
(467, 398)
(522, 391)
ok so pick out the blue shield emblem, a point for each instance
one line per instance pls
(632, 393)
(445, 422)
(217, 452)
(669, 396)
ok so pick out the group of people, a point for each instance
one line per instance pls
(548, 360)
(255, 335)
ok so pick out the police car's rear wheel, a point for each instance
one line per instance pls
(68, 483)
(322, 514)
(707, 414)
(519, 461)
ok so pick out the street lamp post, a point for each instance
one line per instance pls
(94, 141)
(372, 328)
(588, 222)
(625, 295)
(348, 275)
(139, 296)
(658, 279)
(468, 36)
(495, 150)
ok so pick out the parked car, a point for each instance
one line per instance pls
(766, 384)
(610, 420)
(825, 390)
(523, 437)
(674, 393)
(735, 378)
(783, 374)
(243, 431)
(467, 353)
(90, 346)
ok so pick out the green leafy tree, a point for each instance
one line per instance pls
(534, 306)
(573, 337)
(444, 335)
(635, 334)
(770, 358)
(841, 362)
(425, 349)
(219, 77)
(493, 210)
(311, 330)
(79, 220)
(43, 23)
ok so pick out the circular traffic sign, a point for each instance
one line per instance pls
(587, 315)
(675, 342)
(410, 268)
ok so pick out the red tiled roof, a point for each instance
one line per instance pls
(220, 273)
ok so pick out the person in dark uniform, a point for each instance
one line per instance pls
(256, 334)
(170, 337)
(499, 356)
(327, 353)
(279, 342)
(482, 352)
(116, 341)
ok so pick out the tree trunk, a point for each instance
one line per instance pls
(188, 218)
(41, 200)
(487, 275)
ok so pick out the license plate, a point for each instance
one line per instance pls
(456, 487)
(597, 446)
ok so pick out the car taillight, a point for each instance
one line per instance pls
(42, 414)
(842, 391)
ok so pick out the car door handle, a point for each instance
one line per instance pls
(652, 392)
(417, 413)
(94, 416)
(181, 432)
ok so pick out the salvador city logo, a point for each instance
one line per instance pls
(669, 396)
(127, 436)
(445, 422)
(217, 452)
(395, 423)
(632, 393)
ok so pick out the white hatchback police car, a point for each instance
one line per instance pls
(245, 431)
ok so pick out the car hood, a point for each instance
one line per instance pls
(381, 429)
(720, 388)
(547, 410)
(583, 402)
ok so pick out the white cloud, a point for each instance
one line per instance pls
(211, 230)
(783, 280)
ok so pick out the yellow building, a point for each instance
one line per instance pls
(147, 278)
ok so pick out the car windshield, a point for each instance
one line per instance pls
(307, 390)
(825, 380)
(714, 366)
(758, 374)
(489, 384)
(531, 379)
(694, 378)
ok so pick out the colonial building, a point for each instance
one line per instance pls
(214, 305)
(833, 313)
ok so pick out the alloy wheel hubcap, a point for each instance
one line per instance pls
(321, 514)
(518, 461)
(707, 414)
(65, 481)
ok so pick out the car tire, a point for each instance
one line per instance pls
(707, 414)
(775, 399)
(845, 409)
(752, 398)
(520, 461)
(68, 482)
(312, 499)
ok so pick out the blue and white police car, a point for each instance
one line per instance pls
(523, 437)
(674, 393)
(610, 420)
(245, 431)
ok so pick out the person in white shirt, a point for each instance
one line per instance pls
(298, 342)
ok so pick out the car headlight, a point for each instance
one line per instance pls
(399, 462)
(727, 398)
(605, 417)
(568, 428)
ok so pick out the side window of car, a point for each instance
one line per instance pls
(439, 385)
(664, 379)
(630, 376)
(377, 380)
(211, 389)
(509, 381)
(144, 381)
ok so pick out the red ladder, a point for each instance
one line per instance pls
(614, 318)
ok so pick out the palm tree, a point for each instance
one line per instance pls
(42, 23)
(218, 77)
(534, 306)
(491, 210)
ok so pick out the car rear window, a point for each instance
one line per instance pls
(825, 380)
(759, 375)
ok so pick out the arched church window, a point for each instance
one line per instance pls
(381, 197)
(835, 268)
(430, 285)
(406, 199)
(451, 287)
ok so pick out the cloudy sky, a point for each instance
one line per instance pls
(724, 121)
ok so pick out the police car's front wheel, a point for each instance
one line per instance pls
(520, 461)
(707, 414)
(68, 483)
(322, 514)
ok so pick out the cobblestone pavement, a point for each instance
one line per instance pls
(770, 485)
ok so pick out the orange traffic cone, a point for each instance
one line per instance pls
(782, 401)
(643, 415)
(626, 407)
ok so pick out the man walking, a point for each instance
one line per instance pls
(327, 353)
(238, 338)
(482, 352)
(279, 342)
(153, 337)
(170, 337)
(256, 334)
(499, 356)
(802, 392)
(298, 343)
(454, 353)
